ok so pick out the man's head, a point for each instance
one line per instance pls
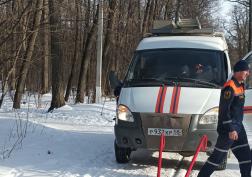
(199, 68)
(241, 70)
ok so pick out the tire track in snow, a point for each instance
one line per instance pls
(182, 167)
(178, 167)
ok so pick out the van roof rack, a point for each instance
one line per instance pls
(188, 23)
(182, 27)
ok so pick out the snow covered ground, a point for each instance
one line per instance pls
(77, 141)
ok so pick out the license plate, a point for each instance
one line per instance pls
(167, 132)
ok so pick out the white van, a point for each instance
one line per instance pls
(173, 86)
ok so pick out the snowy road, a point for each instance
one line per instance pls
(77, 141)
(76, 150)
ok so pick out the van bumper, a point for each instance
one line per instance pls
(134, 136)
(134, 139)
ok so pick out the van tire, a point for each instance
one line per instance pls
(122, 154)
(223, 164)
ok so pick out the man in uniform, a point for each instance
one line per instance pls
(230, 128)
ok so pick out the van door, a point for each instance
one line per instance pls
(248, 102)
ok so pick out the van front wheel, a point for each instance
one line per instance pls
(122, 154)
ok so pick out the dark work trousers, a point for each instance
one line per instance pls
(240, 149)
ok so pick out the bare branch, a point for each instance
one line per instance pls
(242, 2)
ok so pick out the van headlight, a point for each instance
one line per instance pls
(210, 117)
(123, 113)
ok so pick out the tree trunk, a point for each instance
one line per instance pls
(70, 80)
(108, 41)
(28, 55)
(9, 75)
(45, 71)
(109, 35)
(57, 59)
(177, 11)
(146, 17)
(151, 15)
(86, 55)
(166, 13)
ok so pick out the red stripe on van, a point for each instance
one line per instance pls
(173, 99)
(247, 112)
(177, 100)
(163, 99)
(158, 100)
(247, 109)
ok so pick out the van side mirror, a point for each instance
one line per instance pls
(113, 80)
(115, 83)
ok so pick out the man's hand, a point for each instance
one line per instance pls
(233, 135)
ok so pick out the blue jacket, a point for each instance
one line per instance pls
(231, 107)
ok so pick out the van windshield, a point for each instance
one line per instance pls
(188, 67)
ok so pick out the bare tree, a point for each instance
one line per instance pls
(57, 59)
(177, 9)
(108, 41)
(45, 72)
(28, 55)
(247, 4)
(237, 30)
(75, 55)
(146, 17)
(86, 56)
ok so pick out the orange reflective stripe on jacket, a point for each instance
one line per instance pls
(237, 90)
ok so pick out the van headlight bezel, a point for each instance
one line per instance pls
(209, 117)
(124, 114)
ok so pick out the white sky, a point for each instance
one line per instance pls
(226, 8)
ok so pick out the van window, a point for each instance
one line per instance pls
(167, 64)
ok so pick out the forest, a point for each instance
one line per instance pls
(50, 45)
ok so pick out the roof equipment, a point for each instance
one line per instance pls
(182, 27)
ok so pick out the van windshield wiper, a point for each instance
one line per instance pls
(152, 79)
(198, 81)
